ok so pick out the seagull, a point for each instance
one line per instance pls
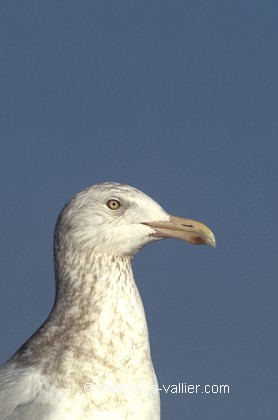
(91, 358)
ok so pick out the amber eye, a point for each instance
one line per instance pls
(113, 204)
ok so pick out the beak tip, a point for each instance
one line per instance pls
(212, 241)
(204, 240)
(213, 244)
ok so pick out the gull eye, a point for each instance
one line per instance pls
(113, 204)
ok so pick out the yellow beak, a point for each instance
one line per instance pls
(185, 229)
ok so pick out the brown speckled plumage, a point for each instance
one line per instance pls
(96, 332)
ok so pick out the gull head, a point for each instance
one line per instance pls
(117, 219)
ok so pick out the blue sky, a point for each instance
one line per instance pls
(178, 99)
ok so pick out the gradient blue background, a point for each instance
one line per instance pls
(179, 99)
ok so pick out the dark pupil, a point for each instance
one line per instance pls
(113, 204)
